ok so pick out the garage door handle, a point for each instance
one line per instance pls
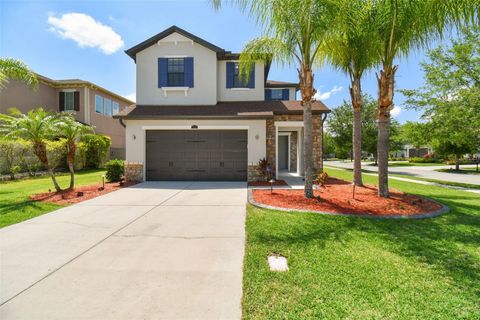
(195, 170)
(195, 140)
(170, 163)
(222, 164)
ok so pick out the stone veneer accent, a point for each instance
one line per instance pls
(317, 138)
(293, 151)
(133, 171)
(252, 174)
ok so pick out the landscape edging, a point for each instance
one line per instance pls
(444, 209)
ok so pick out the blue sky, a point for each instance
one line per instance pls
(95, 33)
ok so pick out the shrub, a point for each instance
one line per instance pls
(264, 169)
(57, 154)
(423, 160)
(115, 169)
(95, 149)
(320, 179)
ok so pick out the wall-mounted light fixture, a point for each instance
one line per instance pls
(134, 137)
(194, 126)
(257, 137)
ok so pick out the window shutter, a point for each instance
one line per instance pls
(162, 72)
(286, 94)
(268, 94)
(76, 101)
(188, 72)
(61, 101)
(230, 74)
(251, 78)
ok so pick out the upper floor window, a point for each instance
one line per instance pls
(98, 104)
(107, 104)
(175, 72)
(277, 94)
(235, 79)
(116, 107)
(69, 101)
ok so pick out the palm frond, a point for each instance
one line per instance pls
(15, 69)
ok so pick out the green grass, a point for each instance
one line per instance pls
(447, 183)
(410, 164)
(15, 205)
(354, 268)
(462, 170)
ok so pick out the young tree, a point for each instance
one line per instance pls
(416, 133)
(295, 30)
(451, 94)
(403, 25)
(350, 49)
(71, 130)
(37, 126)
(16, 69)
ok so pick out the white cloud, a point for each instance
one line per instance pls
(395, 111)
(86, 32)
(327, 94)
(131, 97)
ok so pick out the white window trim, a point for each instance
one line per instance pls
(173, 89)
(111, 107)
(240, 89)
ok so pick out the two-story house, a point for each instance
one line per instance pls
(88, 102)
(197, 118)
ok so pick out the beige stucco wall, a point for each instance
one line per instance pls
(136, 146)
(104, 124)
(240, 94)
(204, 91)
(17, 95)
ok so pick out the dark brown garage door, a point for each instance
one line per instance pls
(215, 155)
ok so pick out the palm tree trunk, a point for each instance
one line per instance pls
(308, 153)
(71, 148)
(307, 91)
(385, 104)
(356, 95)
(40, 150)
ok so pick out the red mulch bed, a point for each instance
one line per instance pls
(336, 197)
(277, 183)
(72, 196)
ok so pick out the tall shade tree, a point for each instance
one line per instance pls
(15, 69)
(294, 32)
(403, 25)
(350, 49)
(37, 126)
(71, 130)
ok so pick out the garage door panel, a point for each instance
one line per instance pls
(196, 155)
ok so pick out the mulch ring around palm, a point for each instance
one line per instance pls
(79, 194)
(337, 197)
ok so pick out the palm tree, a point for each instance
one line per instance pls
(350, 49)
(15, 69)
(37, 126)
(71, 130)
(403, 25)
(294, 31)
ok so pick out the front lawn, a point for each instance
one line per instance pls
(15, 205)
(354, 268)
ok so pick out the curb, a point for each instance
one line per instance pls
(444, 209)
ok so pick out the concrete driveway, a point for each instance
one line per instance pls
(157, 250)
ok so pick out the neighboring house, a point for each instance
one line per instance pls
(196, 118)
(88, 102)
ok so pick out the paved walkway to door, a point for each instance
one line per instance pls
(157, 250)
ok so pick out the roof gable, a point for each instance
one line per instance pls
(173, 29)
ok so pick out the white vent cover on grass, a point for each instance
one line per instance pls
(277, 263)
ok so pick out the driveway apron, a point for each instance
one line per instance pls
(157, 250)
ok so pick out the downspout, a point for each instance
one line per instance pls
(121, 122)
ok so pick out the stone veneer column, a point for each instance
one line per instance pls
(133, 171)
(293, 151)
